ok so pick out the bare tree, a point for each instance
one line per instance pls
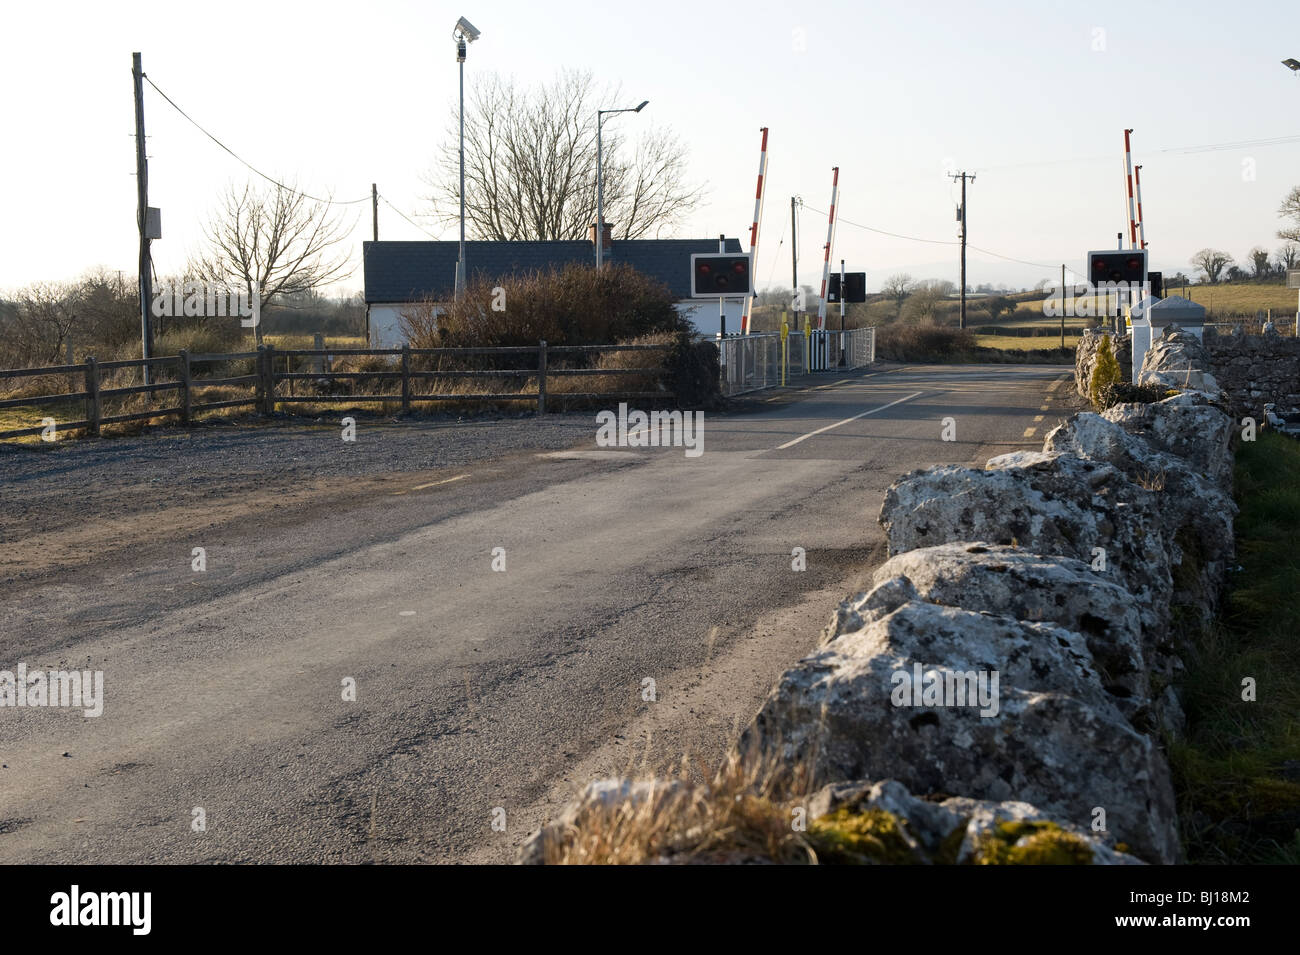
(273, 239)
(530, 166)
(44, 318)
(1290, 209)
(1259, 261)
(1212, 262)
(923, 303)
(897, 288)
(1287, 256)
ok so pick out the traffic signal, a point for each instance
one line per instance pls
(1157, 282)
(855, 287)
(716, 274)
(1121, 266)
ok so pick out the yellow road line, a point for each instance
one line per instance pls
(1038, 417)
(1029, 432)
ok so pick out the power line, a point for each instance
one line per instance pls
(384, 200)
(1182, 150)
(270, 179)
(913, 238)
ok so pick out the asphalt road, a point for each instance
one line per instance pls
(480, 694)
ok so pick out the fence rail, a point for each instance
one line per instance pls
(748, 363)
(266, 377)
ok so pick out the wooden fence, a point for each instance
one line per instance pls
(266, 377)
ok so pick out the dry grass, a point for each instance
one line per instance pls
(742, 813)
(1025, 342)
(1152, 481)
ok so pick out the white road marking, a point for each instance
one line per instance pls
(458, 477)
(805, 437)
(421, 487)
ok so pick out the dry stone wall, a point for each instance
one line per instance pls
(1015, 658)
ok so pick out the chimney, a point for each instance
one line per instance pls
(606, 234)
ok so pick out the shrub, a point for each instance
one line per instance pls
(1105, 372)
(576, 305)
(922, 342)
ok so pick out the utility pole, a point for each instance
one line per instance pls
(142, 214)
(374, 208)
(794, 258)
(961, 216)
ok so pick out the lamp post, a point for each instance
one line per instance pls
(600, 182)
(463, 33)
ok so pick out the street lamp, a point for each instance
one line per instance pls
(463, 33)
(1291, 64)
(600, 182)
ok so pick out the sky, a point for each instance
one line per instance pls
(1033, 98)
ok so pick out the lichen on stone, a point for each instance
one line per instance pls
(1031, 843)
(867, 837)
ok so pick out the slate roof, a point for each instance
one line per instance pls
(397, 272)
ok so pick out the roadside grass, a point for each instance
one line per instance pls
(307, 341)
(1237, 769)
(14, 419)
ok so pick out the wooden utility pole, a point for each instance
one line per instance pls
(374, 208)
(142, 214)
(961, 217)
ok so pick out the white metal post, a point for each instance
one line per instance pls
(460, 262)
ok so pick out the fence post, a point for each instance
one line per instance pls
(541, 377)
(94, 403)
(406, 379)
(259, 372)
(270, 379)
(186, 401)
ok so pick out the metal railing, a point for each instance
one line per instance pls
(754, 362)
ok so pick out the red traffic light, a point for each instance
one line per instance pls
(718, 274)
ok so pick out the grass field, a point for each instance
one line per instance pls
(1237, 770)
(1223, 299)
(1026, 343)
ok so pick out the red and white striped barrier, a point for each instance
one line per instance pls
(830, 238)
(753, 235)
(1128, 169)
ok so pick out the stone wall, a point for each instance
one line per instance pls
(1255, 370)
(1252, 370)
(1050, 576)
